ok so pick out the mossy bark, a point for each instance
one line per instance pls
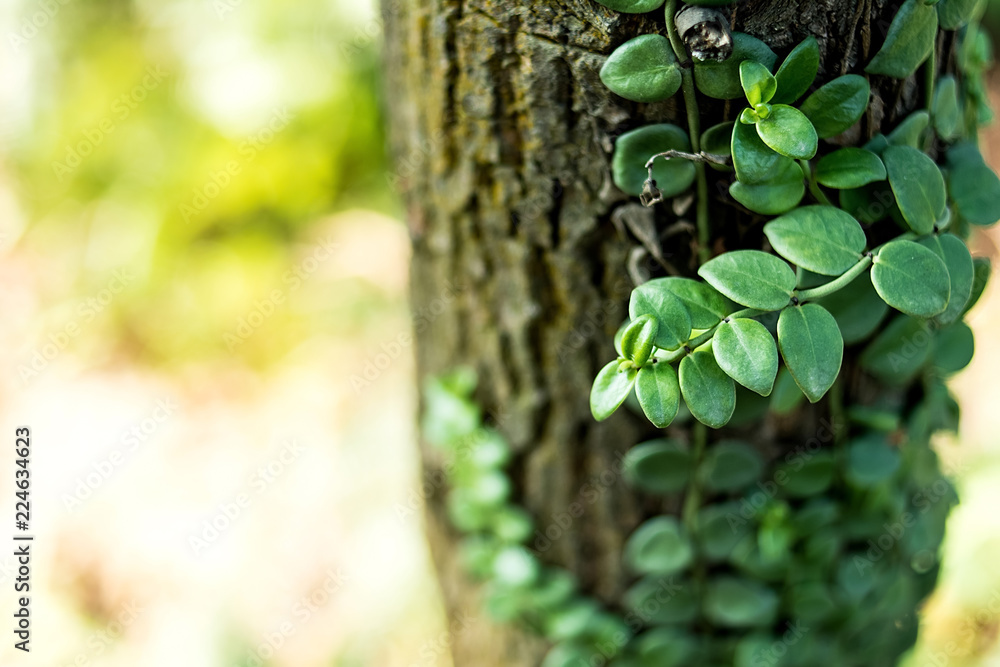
(502, 135)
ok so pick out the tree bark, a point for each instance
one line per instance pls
(502, 136)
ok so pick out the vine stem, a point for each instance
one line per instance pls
(814, 188)
(841, 282)
(694, 129)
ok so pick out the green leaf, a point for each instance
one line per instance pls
(947, 113)
(806, 474)
(961, 273)
(909, 42)
(657, 466)
(911, 131)
(745, 350)
(731, 602)
(899, 352)
(982, 271)
(730, 465)
(650, 601)
(751, 278)
(655, 298)
(871, 461)
(812, 348)
(643, 69)
(610, 390)
(758, 82)
(838, 105)
(720, 528)
(754, 161)
(974, 187)
(953, 14)
(918, 186)
(659, 393)
(911, 279)
(789, 132)
(775, 197)
(822, 239)
(664, 647)
(857, 308)
(632, 6)
(704, 304)
(954, 348)
(786, 395)
(869, 203)
(849, 168)
(798, 72)
(718, 139)
(659, 546)
(709, 393)
(637, 339)
(632, 151)
(721, 80)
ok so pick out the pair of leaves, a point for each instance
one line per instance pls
(643, 69)
(632, 151)
(783, 128)
(909, 42)
(656, 386)
(822, 239)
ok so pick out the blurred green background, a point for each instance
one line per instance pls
(200, 255)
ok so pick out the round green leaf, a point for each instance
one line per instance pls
(643, 69)
(662, 602)
(857, 308)
(632, 6)
(658, 393)
(974, 187)
(704, 304)
(812, 348)
(871, 461)
(911, 131)
(721, 527)
(953, 14)
(718, 139)
(758, 82)
(754, 161)
(637, 339)
(849, 168)
(909, 42)
(954, 348)
(911, 279)
(838, 105)
(745, 350)
(721, 80)
(982, 268)
(822, 239)
(961, 272)
(751, 278)
(806, 475)
(947, 114)
(709, 393)
(657, 466)
(632, 151)
(774, 198)
(664, 647)
(798, 72)
(789, 132)
(610, 390)
(739, 603)
(918, 186)
(899, 352)
(730, 466)
(659, 546)
(655, 298)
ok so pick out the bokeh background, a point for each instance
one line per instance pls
(201, 255)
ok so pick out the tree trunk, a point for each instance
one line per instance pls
(502, 140)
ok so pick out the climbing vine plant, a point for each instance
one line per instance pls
(821, 554)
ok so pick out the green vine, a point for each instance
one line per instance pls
(821, 553)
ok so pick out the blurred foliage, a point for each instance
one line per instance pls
(194, 143)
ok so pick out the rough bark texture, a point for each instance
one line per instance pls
(502, 137)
